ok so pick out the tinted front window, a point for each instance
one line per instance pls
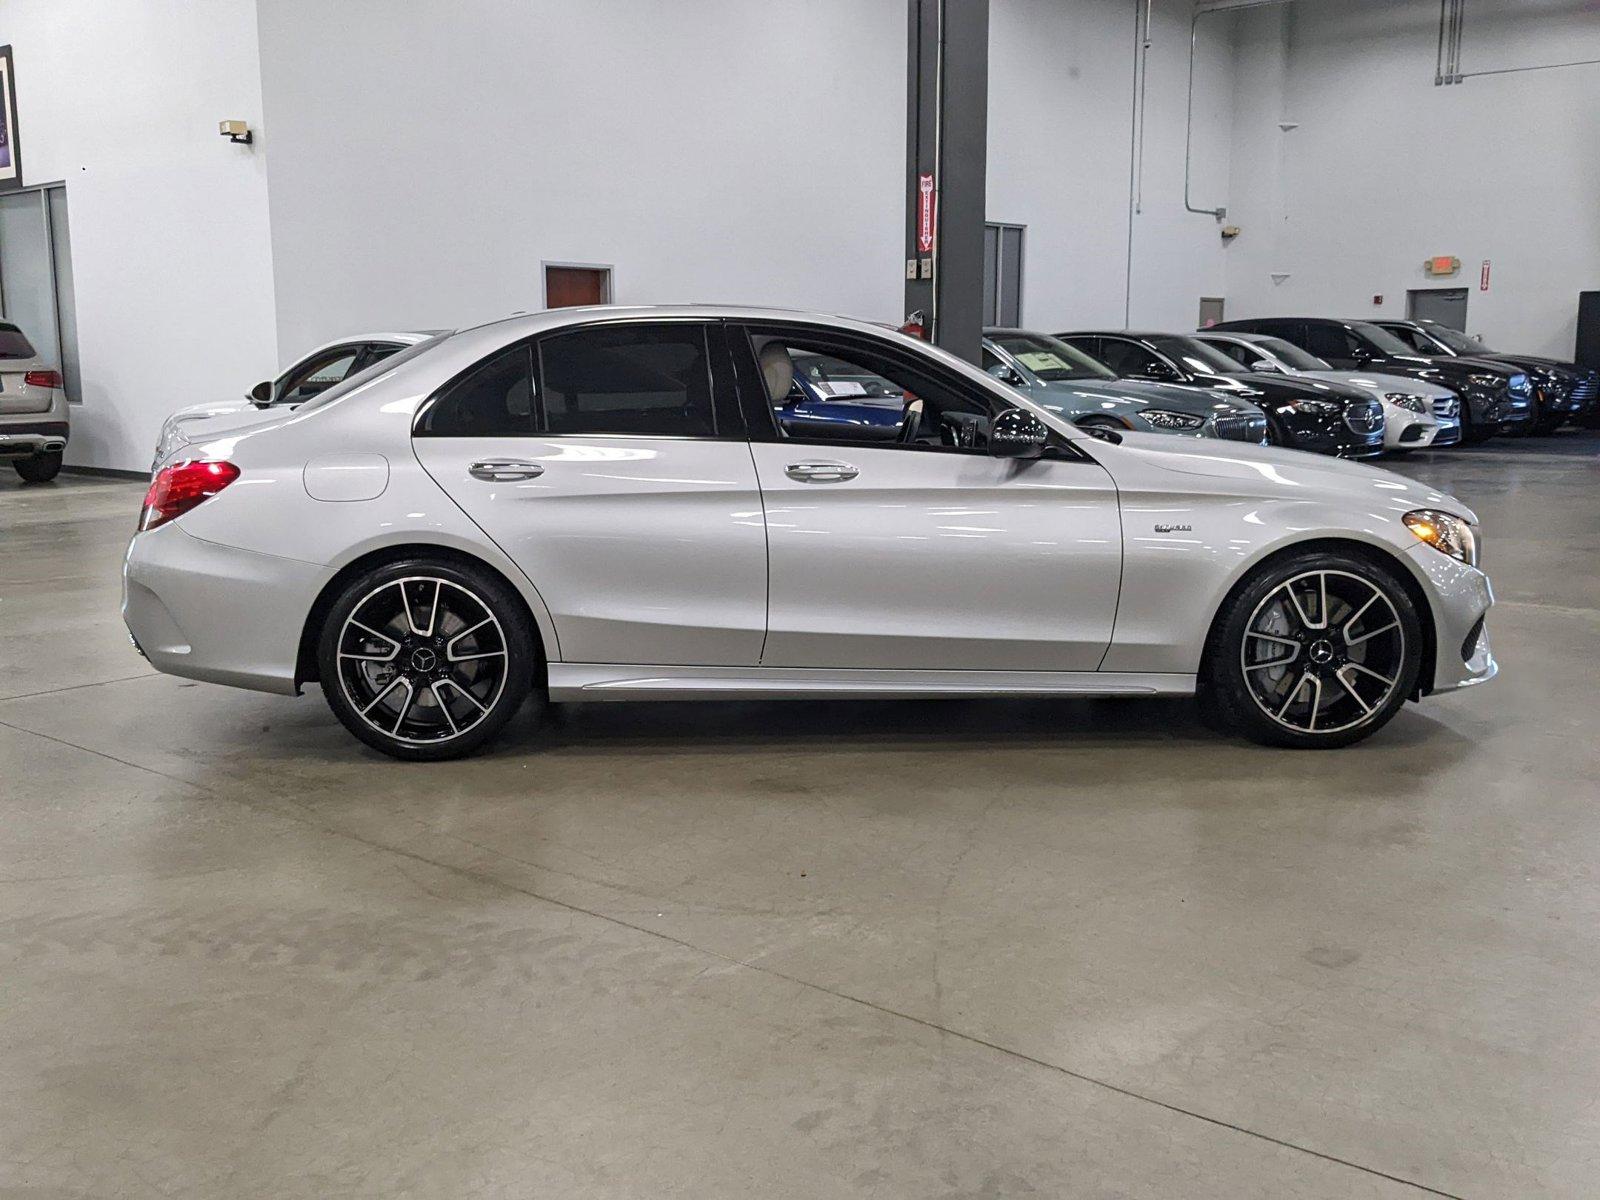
(1127, 358)
(1330, 342)
(13, 344)
(1050, 358)
(622, 379)
(1197, 356)
(1380, 340)
(1242, 353)
(492, 399)
(1460, 342)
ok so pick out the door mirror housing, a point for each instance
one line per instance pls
(1263, 364)
(1018, 434)
(261, 394)
(1158, 371)
(1007, 374)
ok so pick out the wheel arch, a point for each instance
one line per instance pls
(1376, 553)
(306, 670)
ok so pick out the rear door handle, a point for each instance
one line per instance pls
(504, 470)
(821, 472)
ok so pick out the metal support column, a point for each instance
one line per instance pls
(947, 115)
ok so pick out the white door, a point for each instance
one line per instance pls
(897, 550)
(598, 459)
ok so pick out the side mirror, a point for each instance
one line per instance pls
(1017, 434)
(1158, 371)
(1263, 364)
(261, 394)
(1007, 374)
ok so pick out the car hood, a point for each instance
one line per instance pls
(1277, 386)
(1143, 393)
(1279, 473)
(1373, 381)
(1533, 362)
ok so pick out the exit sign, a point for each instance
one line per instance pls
(1442, 264)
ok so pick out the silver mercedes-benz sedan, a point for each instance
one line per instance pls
(602, 504)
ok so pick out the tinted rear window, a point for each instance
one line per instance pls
(13, 344)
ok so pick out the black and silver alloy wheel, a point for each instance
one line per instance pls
(1323, 652)
(1315, 650)
(425, 661)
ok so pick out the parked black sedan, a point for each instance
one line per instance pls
(1306, 414)
(1562, 391)
(1494, 396)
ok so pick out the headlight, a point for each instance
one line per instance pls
(1318, 408)
(1520, 385)
(1445, 532)
(1163, 418)
(1417, 404)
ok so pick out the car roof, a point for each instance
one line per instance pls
(1238, 335)
(1144, 335)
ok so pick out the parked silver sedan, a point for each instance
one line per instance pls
(602, 504)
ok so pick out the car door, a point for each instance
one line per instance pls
(609, 461)
(910, 547)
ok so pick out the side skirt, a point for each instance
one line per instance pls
(605, 681)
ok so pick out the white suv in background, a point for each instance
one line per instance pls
(33, 409)
(309, 376)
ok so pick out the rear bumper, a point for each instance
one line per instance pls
(30, 437)
(216, 613)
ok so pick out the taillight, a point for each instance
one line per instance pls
(178, 488)
(49, 379)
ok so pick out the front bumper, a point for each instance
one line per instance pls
(19, 438)
(1326, 435)
(1460, 598)
(216, 613)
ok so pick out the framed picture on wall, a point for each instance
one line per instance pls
(10, 154)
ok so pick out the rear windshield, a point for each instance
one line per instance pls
(382, 367)
(13, 344)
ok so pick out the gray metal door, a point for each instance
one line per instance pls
(1210, 311)
(1448, 306)
(1002, 275)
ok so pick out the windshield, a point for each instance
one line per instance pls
(1461, 343)
(1291, 355)
(1382, 340)
(381, 367)
(1197, 356)
(1050, 359)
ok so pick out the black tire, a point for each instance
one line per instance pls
(1472, 433)
(443, 705)
(39, 468)
(1260, 618)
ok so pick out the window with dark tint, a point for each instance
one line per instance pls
(1240, 352)
(1331, 342)
(13, 344)
(492, 399)
(1195, 355)
(621, 379)
(1130, 358)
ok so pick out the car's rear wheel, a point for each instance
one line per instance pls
(39, 468)
(1316, 650)
(426, 660)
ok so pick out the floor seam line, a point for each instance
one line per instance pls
(76, 687)
(971, 1039)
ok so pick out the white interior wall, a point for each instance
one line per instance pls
(428, 158)
(1386, 170)
(169, 229)
(1061, 113)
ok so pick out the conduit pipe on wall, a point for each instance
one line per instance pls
(1452, 20)
(1203, 10)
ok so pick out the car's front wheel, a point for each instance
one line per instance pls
(39, 468)
(426, 660)
(1316, 650)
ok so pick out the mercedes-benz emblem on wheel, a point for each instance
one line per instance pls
(424, 659)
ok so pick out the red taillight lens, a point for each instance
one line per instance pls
(177, 489)
(50, 379)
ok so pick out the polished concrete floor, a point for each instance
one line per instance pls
(925, 950)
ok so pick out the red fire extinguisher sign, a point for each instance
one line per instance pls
(925, 213)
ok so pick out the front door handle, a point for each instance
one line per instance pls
(504, 470)
(821, 472)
